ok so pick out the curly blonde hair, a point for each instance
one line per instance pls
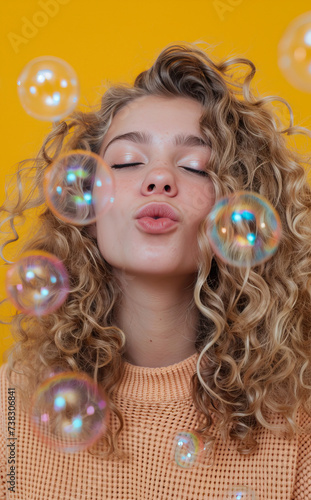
(254, 334)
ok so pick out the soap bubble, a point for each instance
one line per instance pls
(69, 412)
(37, 284)
(294, 53)
(79, 186)
(190, 449)
(243, 229)
(48, 88)
(239, 493)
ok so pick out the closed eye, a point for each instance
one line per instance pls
(200, 172)
(122, 165)
(125, 165)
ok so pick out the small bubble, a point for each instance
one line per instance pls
(47, 89)
(189, 450)
(239, 493)
(37, 284)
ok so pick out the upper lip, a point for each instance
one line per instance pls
(157, 210)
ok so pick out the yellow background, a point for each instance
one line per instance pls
(116, 40)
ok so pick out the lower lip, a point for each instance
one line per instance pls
(156, 226)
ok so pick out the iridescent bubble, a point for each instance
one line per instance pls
(189, 449)
(37, 283)
(239, 493)
(79, 186)
(48, 88)
(244, 229)
(294, 53)
(69, 412)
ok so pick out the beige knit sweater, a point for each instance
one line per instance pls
(157, 405)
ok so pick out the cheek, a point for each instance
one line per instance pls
(114, 232)
(106, 229)
(110, 223)
(201, 199)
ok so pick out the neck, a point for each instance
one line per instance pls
(159, 319)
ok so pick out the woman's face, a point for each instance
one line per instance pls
(160, 176)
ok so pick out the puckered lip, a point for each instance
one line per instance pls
(157, 210)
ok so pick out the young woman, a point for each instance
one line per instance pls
(182, 343)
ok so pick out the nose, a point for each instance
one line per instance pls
(160, 179)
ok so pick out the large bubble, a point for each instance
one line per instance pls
(294, 53)
(69, 412)
(37, 284)
(79, 186)
(48, 88)
(244, 229)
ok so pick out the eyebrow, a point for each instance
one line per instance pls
(144, 138)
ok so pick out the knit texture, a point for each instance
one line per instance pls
(156, 404)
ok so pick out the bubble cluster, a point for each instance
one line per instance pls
(69, 412)
(189, 449)
(37, 283)
(239, 493)
(294, 53)
(79, 186)
(48, 88)
(243, 229)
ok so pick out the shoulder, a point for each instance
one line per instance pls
(3, 377)
(5, 385)
(304, 418)
(302, 484)
(3, 369)
(9, 379)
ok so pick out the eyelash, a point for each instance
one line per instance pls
(199, 172)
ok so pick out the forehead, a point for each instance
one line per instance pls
(159, 115)
(159, 105)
